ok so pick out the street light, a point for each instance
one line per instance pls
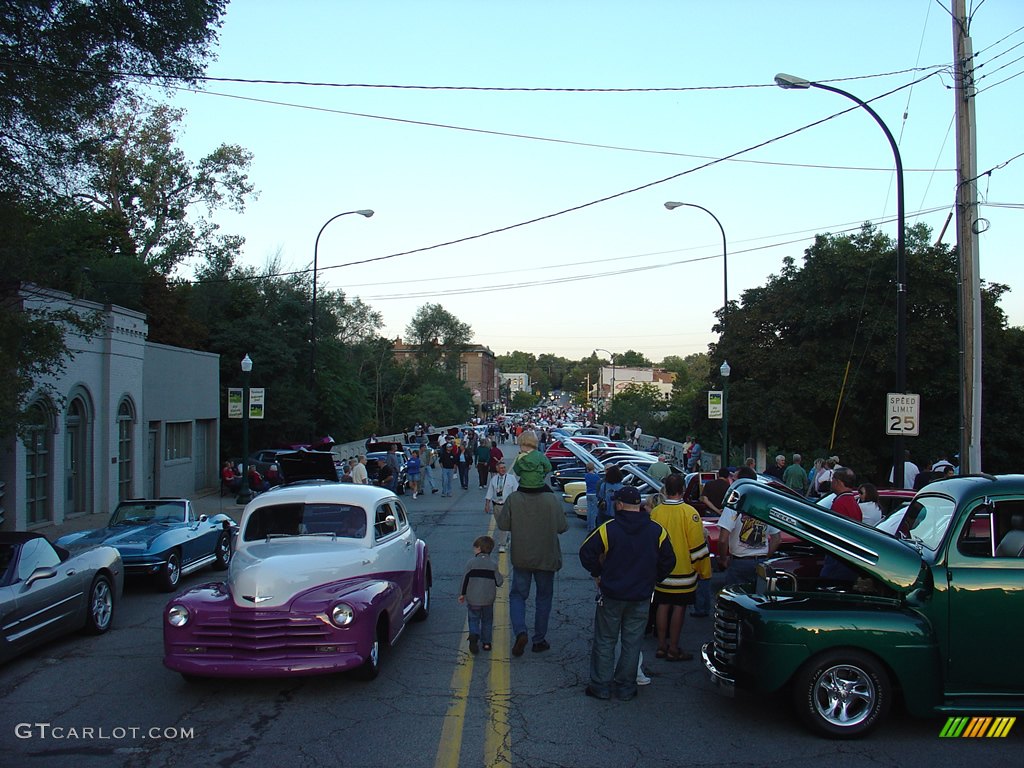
(725, 370)
(316, 247)
(725, 257)
(792, 82)
(244, 492)
(612, 357)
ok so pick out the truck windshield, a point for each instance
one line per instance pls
(927, 520)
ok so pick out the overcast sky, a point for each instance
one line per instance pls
(442, 167)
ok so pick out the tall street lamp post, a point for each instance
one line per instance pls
(316, 247)
(725, 256)
(244, 492)
(612, 358)
(725, 370)
(790, 81)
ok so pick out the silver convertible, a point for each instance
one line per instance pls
(45, 591)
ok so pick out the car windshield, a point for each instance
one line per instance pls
(145, 512)
(341, 520)
(926, 521)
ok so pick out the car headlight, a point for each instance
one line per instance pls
(177, 616)
(342, 615)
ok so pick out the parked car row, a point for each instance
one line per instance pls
(321, 577)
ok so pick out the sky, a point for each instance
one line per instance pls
(571, 183)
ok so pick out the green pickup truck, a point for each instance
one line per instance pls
(932, 613)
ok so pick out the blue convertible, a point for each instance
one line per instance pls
(163, 538)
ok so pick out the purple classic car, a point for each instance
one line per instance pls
(325, 576)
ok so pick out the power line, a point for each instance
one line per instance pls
(532, 137)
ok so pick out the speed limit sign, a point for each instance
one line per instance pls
(903, 414)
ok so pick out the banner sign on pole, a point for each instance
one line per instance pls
(715, 404)
(234, 402)
(256, 403)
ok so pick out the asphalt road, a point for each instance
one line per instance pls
(433, 705)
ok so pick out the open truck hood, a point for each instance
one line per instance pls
(893, 562)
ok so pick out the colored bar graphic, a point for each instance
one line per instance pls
(977, 727)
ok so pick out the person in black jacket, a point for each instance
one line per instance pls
(627, 557)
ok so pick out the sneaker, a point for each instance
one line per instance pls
(434, 491)
(543, 645)
(474, 644)
(502, 548)
(641, 678)
(595, 694)
(520, 644)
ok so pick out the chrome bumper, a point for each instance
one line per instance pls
(725, 684)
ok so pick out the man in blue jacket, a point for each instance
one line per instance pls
(627, 557)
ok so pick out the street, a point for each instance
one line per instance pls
(106, 701)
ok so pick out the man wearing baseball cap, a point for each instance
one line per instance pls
(627, 556)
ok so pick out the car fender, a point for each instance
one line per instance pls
(780, 635)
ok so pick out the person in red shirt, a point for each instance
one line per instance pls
(846, 503)
(844, 484)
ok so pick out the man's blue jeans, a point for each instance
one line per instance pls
(519, 592)
(615, 619)
(591, 511)
(446, 481)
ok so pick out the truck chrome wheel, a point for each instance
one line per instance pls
(842, 694)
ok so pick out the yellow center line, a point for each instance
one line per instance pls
(496, 741)
(497, 744)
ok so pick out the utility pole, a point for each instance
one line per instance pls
(968, 225)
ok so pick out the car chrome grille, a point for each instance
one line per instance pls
(726, 633)
(264, 635)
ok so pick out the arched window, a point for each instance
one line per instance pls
(77, 457)
(125, 446)
(38, 440)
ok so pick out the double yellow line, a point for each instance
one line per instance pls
(497, 742)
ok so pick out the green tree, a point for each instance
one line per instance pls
(641, 403)
(62, 60)
(516, 362)
(439, 335)
(62, 64)
(814, 347)
(134, 173)
(523, 400)
(632, 359)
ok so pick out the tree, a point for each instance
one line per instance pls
(516, 362)
(632, 359)
(134, 174)
(439, 336)
(63, 65)
(812, 354)
(523, 400)
(636, 402)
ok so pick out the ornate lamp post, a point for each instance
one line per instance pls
(244, 492)
(792, 82)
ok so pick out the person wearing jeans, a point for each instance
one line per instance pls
(535, 517)
(627, 557)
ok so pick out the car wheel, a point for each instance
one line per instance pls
(100, 611)
(370, 668)
(170, 574)
(842, 694)
(579, 497)
(223, 552)
(424, 610)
